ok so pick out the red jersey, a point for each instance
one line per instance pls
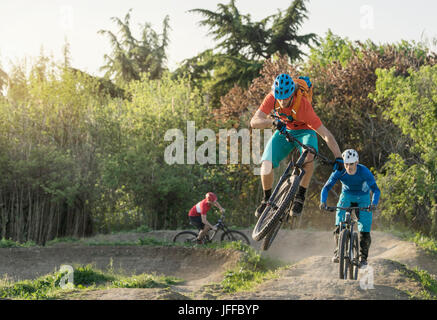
(305, 118)
(201, 208)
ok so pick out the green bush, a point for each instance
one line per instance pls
(408, 182)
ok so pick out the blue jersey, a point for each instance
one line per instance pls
(358, 184)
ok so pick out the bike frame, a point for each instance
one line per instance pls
(298, 165)
(220, 226)
(349, 223)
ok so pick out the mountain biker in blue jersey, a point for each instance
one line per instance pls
(357, 182)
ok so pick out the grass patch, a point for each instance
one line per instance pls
(7, 243)
(250, 271)
(428, 244)
(62, 240)
(88, 276)
(43, 288)
(428, 283)
(85, 278)
(145, 281)
(139, 242)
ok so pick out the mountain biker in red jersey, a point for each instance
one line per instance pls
(197, 214)
(299, 119)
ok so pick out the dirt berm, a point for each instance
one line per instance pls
(310, 274)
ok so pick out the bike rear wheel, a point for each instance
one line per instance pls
(343, 253)
(234, 235)
(188, 237)
(274, 213)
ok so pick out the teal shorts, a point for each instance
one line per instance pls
(365, 219)
(278, 147)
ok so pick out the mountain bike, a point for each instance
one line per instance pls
(348, 242)
(281, 200)
(227, 235)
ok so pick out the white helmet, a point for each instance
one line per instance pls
(350, 156)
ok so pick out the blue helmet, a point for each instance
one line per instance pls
(283, 87)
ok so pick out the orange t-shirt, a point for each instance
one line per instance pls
(305, 118)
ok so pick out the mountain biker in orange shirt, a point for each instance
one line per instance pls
(285, 98)
(197, 214)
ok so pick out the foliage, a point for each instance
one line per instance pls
(344, 75)
(131, 57)
(428, 244)
(48, 157)
(244, 45)
(6, 243)
(427, 281)
(85, 278)
(145, 281)
(410, 103)
(251, 270)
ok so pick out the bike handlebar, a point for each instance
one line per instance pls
(309, 148)
(332, 209)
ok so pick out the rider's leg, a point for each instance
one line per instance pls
(267, 178)
(365, 241)
(203, 233)
(307, 137)
(339, 217)
(304, 184)
(364, 226)
(336, 235)
(276, 150)
(267, 175)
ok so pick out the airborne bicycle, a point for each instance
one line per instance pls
(190, 237)
(280, 202)
(348, 242)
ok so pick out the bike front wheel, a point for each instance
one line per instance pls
(343, 253)
(234, 235)
(353, 270)
(268, 239)
(187, 237)
(274, 213)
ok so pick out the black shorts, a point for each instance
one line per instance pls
(197, 222)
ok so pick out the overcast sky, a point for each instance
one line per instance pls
(26, 26)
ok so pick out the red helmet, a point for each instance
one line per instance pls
(211, 197)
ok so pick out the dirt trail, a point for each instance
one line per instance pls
(196, 265)
(310, 275)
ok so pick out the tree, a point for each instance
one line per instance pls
(409, 183)
(258, 40)
(130, 57)
(244, 45)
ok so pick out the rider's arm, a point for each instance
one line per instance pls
(330, 140)
(260, 120)
(206, 221)
(217, 204)
(368, 176)
(328, 186)
(376, 194)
